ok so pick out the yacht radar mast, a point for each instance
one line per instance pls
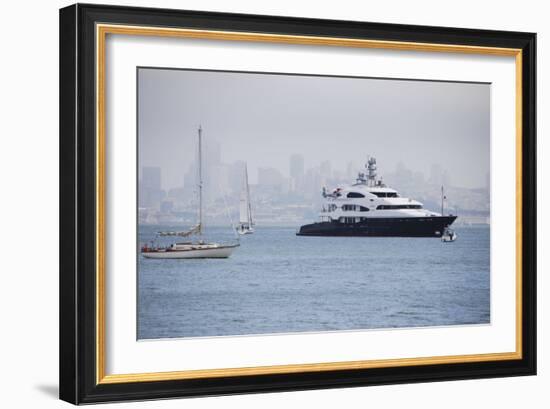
(371, 167)
(369, 178)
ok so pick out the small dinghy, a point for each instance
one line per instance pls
(448, 236)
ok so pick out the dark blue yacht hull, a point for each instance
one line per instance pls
(381, 227)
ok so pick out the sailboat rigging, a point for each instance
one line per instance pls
(190, 250)
(245, 209)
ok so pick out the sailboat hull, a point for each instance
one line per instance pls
(191, 252)
(245, 231)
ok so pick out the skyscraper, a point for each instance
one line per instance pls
(326, 168)
(296, 166)
(351, 171)
(296, 171)
(436, 174)
(150, 177)
(150, 192)
(211, 166)
(236, 175)
(270, 177)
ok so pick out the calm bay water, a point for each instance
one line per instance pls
(277, 282)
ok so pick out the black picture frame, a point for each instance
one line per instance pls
(78, 308)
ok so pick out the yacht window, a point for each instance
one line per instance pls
(385, 194)
(351, 220)
(355, 195)
(353, 208)
(395, 207)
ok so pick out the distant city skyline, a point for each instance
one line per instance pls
(281, 200)
(297, 123)
(151, 176)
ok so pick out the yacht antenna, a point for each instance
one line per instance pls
(442, 199)
(371, 167)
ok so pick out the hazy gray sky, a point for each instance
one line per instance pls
(264, 118)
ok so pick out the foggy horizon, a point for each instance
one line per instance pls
(264, 119)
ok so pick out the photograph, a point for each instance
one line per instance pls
(278, 203)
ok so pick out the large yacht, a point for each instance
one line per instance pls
(370, 208)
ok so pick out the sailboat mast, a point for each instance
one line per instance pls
(248, 196)
(200, 179)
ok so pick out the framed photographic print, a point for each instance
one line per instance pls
(257, 203)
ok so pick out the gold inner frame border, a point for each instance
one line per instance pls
(102, 30)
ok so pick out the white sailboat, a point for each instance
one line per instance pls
(189, 249)
(245, 210)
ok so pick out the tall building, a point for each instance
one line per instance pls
(211, 167)
(296, 172)
(150, 177)
(446, 179)
(190, 179)
(235, 176)
(150, 192)
(313, 184)
(326, 171)
(436, 174)
(351, 171)
(213, 177)
(269, 177)
(297, 166)
(177, 194)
